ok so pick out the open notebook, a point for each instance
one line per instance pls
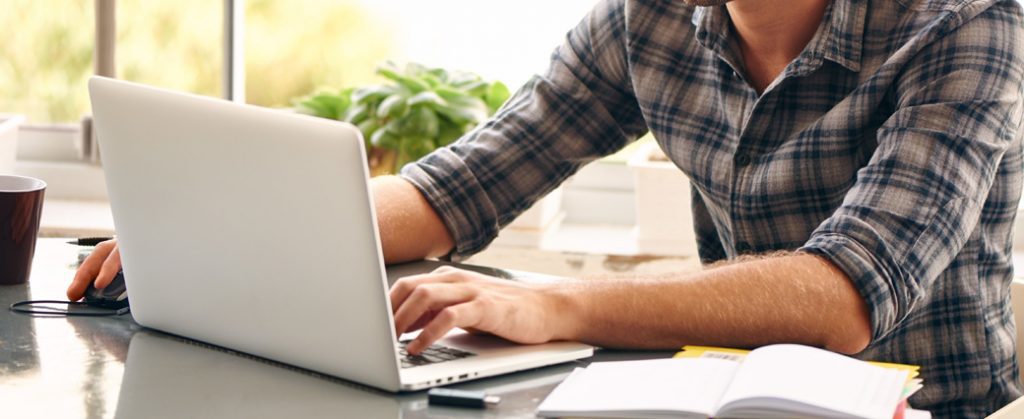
(777, 381)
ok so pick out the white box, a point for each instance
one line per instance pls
(9, 141)
(601, 193)
(532, 226)
(664, 222)
(542, 213)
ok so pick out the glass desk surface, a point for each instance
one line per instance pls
(99, 367)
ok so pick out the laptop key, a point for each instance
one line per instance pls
(432, 355)
(431, 358)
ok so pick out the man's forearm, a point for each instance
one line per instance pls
(409, 227)
(796, 298)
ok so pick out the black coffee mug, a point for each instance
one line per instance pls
(21, 207)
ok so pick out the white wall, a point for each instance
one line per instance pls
(498, 39)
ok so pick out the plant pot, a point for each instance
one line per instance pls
(9, 141)
(664, 222)
(382, 161)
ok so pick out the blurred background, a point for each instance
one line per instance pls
(282, 50)
(291, 48)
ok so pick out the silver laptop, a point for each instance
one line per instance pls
(254, 229)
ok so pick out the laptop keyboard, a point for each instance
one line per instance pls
(432, 355)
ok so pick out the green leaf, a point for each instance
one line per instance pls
(417, 147)
(313, 108)
(368, 127)
(393, 106)
(385, 137)
(324, 104)
(450, 93)
(440, 73)
(389, 74)
(413, 84)
(373, 93)
(448, 132)
(415, 69)
(427, 98)
(421, 122)
(463, 109)
(497, 95)
(462, 78)
(431, 80)
(477, 88)
(412, 149)
(357, 114)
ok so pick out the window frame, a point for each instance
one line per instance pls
(62, 152)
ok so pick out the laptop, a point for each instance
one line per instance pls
(254, 229)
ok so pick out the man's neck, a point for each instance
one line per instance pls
(772, 33)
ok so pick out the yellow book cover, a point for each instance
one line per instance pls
(691, 351)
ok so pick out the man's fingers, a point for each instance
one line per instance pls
(464, 315)
(427, 298)
(405, 286)
(109, 269)
(443, 268)
(83, 277)
(89, 269)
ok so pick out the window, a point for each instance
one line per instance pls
(175, 44)
(290, 49)
(48, 52)
(498, 39)
(46, 58)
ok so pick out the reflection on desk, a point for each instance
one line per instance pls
(110, 366)
(166, 376)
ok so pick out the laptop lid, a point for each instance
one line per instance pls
(247, 228)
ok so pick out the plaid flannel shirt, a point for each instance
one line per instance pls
(890, 145)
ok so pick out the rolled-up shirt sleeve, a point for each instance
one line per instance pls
(581, 109)
(920, 197)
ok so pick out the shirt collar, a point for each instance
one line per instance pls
(712, 27)
(839, 39)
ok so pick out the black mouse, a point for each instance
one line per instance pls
(114, 296)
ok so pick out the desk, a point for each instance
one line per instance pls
(112, 367)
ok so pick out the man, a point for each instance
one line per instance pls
(857, 162)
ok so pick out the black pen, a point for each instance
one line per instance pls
(89, 241)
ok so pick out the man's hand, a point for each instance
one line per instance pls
(448, 298)
(794, 298)
(101, 266)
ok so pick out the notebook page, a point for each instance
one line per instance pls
(650, 388)
(786, 377)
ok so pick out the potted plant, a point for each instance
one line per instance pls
(418, 110)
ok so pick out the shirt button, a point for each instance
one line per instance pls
(742, 159)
